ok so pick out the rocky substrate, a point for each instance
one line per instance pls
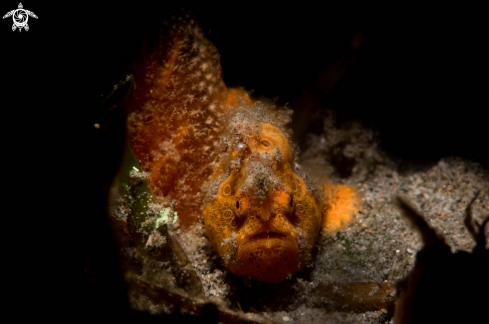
(378, 247)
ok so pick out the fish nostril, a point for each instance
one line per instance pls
(237, 204)
(291, 201)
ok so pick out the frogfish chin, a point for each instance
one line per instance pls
(214, 151)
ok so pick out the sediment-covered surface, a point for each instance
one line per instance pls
(362, 261)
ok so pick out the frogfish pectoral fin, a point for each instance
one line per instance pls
(342, 204)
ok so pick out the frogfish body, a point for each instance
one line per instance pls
(219, 154)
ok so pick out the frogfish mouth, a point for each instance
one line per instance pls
(228, 159)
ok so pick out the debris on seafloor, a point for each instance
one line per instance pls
(197, 157)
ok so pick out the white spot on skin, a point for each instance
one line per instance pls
(170, 150)
(190, 97)
(195, 112)
(192, 62)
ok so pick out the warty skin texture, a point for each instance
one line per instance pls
(264, 221)
(261, 217)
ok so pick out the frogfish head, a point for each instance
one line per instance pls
(264, 220)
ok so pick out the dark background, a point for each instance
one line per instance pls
(419, 77)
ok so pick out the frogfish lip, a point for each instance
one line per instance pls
(265, 234)
(268, 235)
(267, 256)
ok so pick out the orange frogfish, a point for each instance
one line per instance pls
(224, 157)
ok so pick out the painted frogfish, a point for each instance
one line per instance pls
(229, 159)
